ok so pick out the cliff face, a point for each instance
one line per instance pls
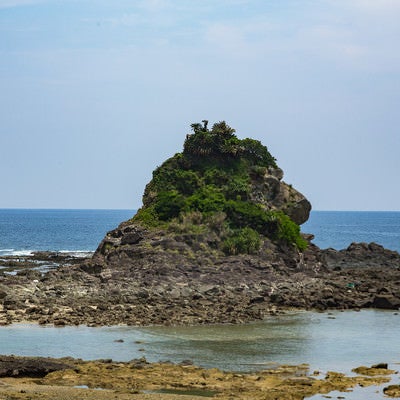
(273, 193)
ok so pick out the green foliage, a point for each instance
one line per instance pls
(192, 222)
(245, 240)
(256, 153)
(216, 176)
(210, 182)
(169, 204)
(288, 231)
(147, 216)
(258, 171)
(243, 213)
(203, 142)
(238, 188)
(207, 199)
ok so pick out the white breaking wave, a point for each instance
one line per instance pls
(12, 252)
(5, 250)
(24, 253)
(77, 253)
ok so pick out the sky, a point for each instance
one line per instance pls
(94, 94)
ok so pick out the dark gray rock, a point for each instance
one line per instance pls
(37, 367)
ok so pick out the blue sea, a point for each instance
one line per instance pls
(23, 231)
(78, 231)
(338, 229)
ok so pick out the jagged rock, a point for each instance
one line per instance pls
(274, 194)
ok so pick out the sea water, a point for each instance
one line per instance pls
(77, 231)
(338, 229)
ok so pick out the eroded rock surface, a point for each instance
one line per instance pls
(139, 277)
(139, 379)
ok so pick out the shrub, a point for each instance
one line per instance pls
(257, 153)
(169, 204)
(147, 216)
(237, 188)
(207, 199)
(288, 231)
(217, 222)
(243, 213)
(245, 240)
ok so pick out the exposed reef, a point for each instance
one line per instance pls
(104, 379)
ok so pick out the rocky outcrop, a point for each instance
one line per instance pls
(361, 255)
(216, 241)
(274, 194)
(143, 277)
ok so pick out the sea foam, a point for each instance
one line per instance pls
(13, 252)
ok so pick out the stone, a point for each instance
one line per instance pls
(387, 302)
(392, 391)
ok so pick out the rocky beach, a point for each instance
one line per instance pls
(239, 289)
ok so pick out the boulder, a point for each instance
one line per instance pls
(11, 366)
(388, 302)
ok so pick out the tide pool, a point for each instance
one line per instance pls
(336, 341)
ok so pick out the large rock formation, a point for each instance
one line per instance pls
(217, 240)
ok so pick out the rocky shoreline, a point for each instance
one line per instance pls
(67, 378)
(142, 277)
(217, 240)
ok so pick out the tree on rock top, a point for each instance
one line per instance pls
(222, 142)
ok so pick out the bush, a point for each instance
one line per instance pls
(243, 213)
(207, 199)
(238, 188)
(288, 231)
(147, 216)
(257, 153)
(169, 204)
(245, 240)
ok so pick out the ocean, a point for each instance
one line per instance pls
(338, 229)
(23, 231)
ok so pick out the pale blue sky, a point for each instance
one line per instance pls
(96, 93)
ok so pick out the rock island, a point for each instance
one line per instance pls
(217, 240)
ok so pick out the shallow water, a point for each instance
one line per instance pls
(336, 341)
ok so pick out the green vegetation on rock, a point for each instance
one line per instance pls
(209, 185)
